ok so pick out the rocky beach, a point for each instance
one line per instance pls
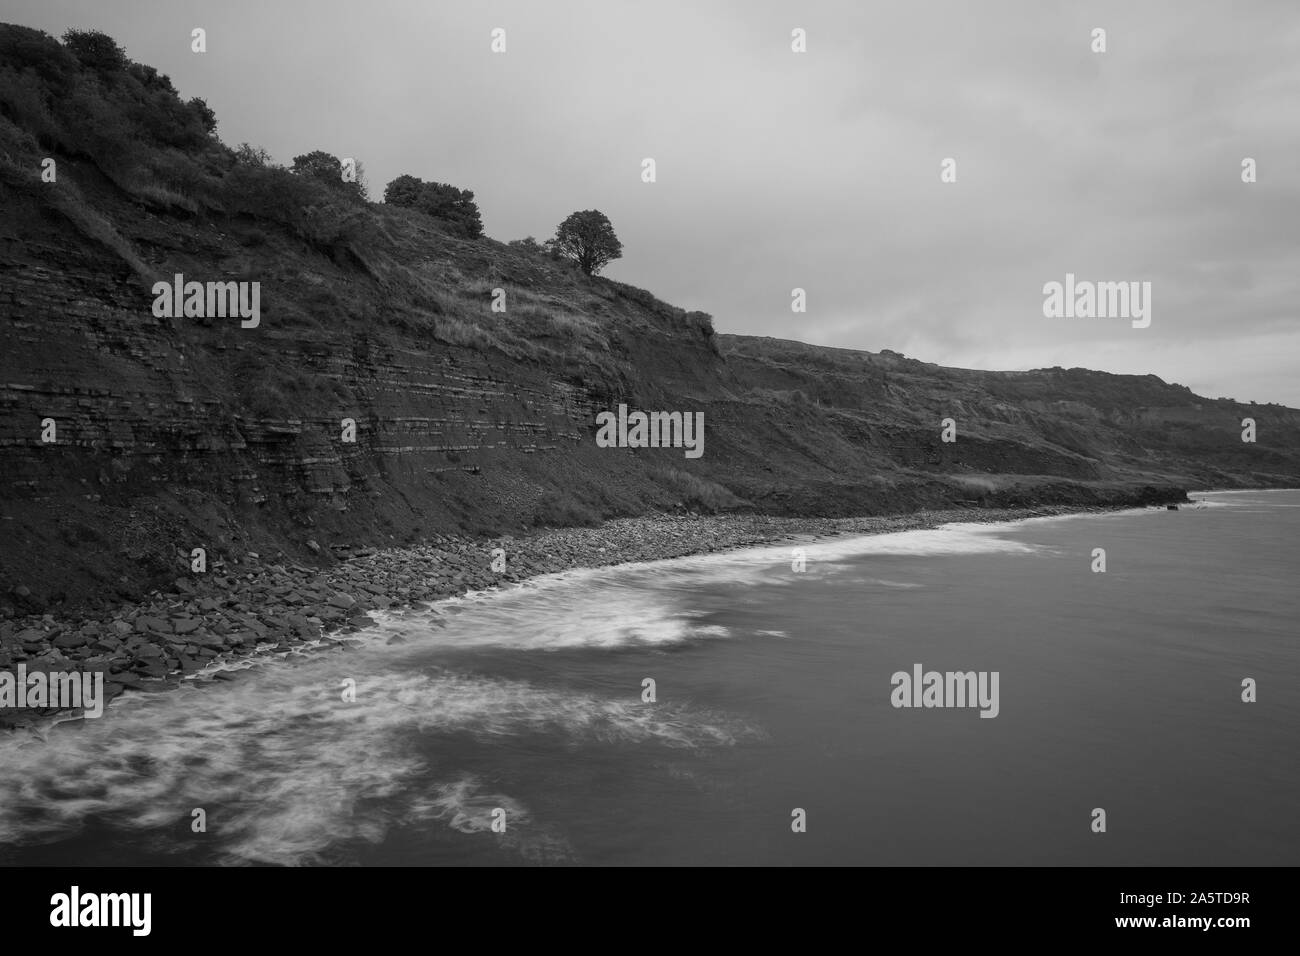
(251, 605)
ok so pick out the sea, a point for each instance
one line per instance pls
(738, 709)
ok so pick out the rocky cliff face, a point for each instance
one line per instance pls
(1072, 424)
(175, 433)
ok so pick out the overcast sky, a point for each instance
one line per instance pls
(821, 170)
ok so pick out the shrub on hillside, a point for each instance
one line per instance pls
(90, 126)
(319, 165)
(23, 102)
(456, 207)
(95, 50)
(696, 493)
(453, 207)
(403, 191)
(328, 169)
(177, 171)
(527, 244)
(22, 49)
(308, 208)
(200, 110)
(247, 155)
(150, 78)
(85, 98)
(162, 118)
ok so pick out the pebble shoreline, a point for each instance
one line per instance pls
(239, 611)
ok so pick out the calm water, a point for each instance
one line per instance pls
(1118, 690)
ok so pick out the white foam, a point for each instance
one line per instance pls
(641, 603)
(558, 613)
(287, 772)
(1244, 491)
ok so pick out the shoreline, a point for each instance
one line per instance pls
(243, 611)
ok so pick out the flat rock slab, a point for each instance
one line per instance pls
(154, 667)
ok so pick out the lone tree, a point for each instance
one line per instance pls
(588, 239)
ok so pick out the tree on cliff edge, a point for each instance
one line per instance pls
(588, 239)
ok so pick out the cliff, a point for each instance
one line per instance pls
(176, 433)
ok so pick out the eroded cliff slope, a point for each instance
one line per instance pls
(172, 433)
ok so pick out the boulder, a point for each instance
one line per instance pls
(209, 641)
(153, 667)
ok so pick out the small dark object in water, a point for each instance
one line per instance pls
(1171, 507)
